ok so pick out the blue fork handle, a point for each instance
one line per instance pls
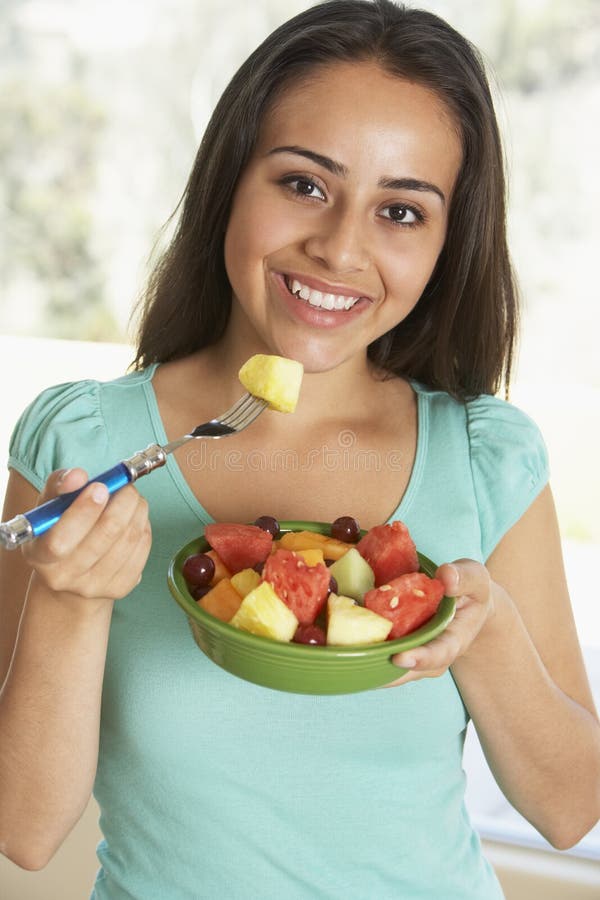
(36, 521)
(45, 516)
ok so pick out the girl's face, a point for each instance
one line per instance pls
(340, 215)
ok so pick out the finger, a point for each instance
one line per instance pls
(416, 676)
(130, 573)
(61, 482)
(109, 530)
(120, 568)
(464, 578)
(74, 524)
(442, 651)
(438, 653)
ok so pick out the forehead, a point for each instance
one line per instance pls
(358, 113)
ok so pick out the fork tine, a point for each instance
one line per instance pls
(233, 411)
(238, 409)
(252, 414)
(243, 413)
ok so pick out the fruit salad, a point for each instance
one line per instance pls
(336, 589)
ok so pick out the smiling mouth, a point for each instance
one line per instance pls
(319, 299)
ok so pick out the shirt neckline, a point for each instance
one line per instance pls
(176, 475)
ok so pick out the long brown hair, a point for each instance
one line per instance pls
(460, 337)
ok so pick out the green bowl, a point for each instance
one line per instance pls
(298, 668)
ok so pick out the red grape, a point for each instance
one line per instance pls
(270, 524)
(345, 529)
(198, 570)
(309, 634)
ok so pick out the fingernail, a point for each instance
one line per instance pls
(405, 662)
(99, 493)
(455, 578)
(63, 475)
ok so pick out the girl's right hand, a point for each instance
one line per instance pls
(97, 549)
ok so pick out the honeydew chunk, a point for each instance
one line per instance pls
(339, 601)
(274, 379)
(262, 612)
(350, 624)
(353, 574)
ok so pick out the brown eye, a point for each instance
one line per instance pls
(403, 214)
(304, 186)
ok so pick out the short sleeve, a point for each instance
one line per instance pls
(56, 431)
(509, 465)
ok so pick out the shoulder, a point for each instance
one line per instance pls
(506, 456)
(503, 439)
(63, 422)
(509, 463)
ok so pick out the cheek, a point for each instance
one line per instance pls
(254, 233)
(408, 272)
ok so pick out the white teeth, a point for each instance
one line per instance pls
(317, 298)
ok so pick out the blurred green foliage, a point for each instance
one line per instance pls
(97, 137)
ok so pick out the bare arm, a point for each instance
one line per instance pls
(56, 602)
(516, 659)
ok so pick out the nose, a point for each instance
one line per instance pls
(339, 242)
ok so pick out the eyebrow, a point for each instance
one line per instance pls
(337, 168)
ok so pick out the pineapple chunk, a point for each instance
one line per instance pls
(245, 581)
(352, 624)
(263, 613)
(273, 378)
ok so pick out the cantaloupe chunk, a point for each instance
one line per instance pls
(245, 581)
(221, 570)
(311, 557)
(311, 540)
(222, 601)
(274, 379)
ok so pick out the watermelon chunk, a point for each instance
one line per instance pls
(239, 546)
(390, 551)
(407, 601)
(302, 588)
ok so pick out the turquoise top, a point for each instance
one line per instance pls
(212, 787)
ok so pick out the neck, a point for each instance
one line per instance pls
(346, 389)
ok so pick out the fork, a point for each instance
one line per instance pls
(29, 525)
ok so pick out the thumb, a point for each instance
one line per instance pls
(61, 482)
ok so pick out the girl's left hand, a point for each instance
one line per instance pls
(471, 584)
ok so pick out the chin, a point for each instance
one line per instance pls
(312, 354)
